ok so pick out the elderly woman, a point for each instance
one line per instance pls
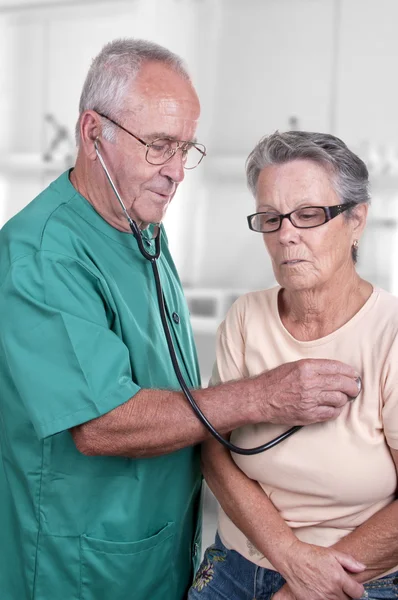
(288, 515)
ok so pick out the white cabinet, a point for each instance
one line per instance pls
(366, 119)
(275, 61)
(367, 85)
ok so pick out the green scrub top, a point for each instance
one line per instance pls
(80, 334)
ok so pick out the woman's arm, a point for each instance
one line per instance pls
(313, 573)
(245, 503)
(375, 542)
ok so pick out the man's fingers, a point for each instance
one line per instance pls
(341, 383)
(310, 390)
(327, 413)
(333, 399)
(333, 367)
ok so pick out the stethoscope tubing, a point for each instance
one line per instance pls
(152, 258)
(187, 393)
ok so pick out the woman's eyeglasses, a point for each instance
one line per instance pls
(302, 218)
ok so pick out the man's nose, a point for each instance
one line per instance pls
(174, 168)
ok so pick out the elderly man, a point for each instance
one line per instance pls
(100, 479)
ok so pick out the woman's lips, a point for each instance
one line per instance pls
(293, 261)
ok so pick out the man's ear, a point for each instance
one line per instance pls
(90, 130)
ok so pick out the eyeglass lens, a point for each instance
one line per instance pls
(311, 216)
(162, 150)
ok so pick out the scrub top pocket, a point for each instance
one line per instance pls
(128, 570)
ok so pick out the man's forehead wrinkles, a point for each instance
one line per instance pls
(132, 111)
(164, 106)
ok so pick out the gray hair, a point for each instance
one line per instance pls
(349, 173)
(112, 72)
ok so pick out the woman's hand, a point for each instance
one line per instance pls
(317, 573)
(284, 593)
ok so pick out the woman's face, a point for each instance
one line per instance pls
(305, 259)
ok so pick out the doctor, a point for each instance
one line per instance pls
(100, 478)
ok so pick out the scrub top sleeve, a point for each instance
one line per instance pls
(65, 361)
(390, 396)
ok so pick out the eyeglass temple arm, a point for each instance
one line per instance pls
(333, 211)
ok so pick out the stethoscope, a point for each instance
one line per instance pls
(152, 258)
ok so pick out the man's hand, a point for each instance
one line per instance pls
(316, 573)
(308, 391)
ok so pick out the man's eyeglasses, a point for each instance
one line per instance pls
(160, 151)
(303, 218)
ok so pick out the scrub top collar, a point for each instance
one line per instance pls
(82, 206)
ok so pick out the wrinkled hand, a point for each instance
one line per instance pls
(316, 573)
(308, 391)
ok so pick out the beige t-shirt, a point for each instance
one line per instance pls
(328, 478)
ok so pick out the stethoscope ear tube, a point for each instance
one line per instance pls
(133, 225)
(109, 178)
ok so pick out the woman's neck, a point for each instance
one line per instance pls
(314, 313)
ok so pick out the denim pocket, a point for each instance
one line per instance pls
(385, 588)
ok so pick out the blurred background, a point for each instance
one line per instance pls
(258, 65)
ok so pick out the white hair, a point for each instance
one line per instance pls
(351, 176)
(349, 173)
(111, 74)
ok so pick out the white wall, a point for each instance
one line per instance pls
(256, 63)
(275, 61)
(332, 65)
(367, 97)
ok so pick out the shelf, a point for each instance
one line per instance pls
(31, 164)
(208, 307)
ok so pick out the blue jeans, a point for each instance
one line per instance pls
(226, 575)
